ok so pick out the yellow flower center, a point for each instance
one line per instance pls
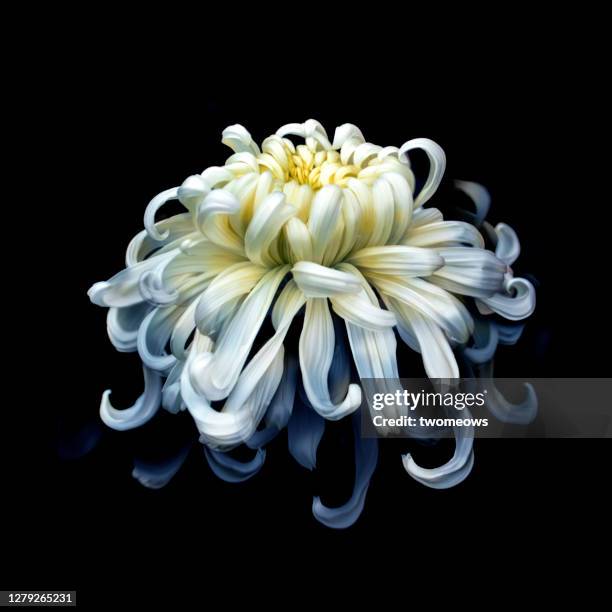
(320, 168)
(306, 167)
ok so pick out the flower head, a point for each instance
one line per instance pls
(335, 230)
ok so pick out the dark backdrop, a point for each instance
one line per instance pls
(132, 128)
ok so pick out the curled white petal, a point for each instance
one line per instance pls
(518, 302)
(142, 245)
(437, 163)
(153, 334)
(451, 473)
(193, 190)
(212, 219)
(238, 138)
(152, 289)
(123, 289)
(344, 132)
(216, 176)
(154, 205)
(122, 325)
(309, 130)
(316, 353)
(508, 246)
(143, 409)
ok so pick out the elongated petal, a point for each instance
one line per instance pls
(238, 420)
(171, 391)
(213, 219)
(304, 432)
(298, 240)
(397, 259)
(320, 281)
(432, 302)
(403, 204)
(437, 163)
(359, 311)
(153, 335)
(182, 331)
(316, 352)
(143, 409)
(325, 211)
(469, 271)
(220, 370)
(508, 245)
(230, 469)
(451, 473)
(443, 233)
(216, 303)
(257, 383)
(384, 217)
(373, 351)
(123, 289)
(366, 458)
(122, 325)
(438, 358)
(202, 258)
(289, 303)
(154, 205)
(281, 407)
(265, 227)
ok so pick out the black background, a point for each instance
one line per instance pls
(130, 125)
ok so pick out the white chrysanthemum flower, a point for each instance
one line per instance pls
(331, 228)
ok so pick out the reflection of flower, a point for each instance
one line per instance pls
(283, 228)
